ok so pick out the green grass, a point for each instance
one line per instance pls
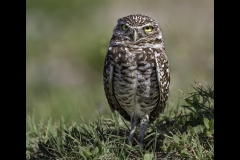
(187, 131)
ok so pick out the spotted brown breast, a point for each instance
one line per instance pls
(136, 81)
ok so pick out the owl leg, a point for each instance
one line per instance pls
(143, 127)
(134, 121)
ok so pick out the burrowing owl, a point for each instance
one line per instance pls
(136, 73)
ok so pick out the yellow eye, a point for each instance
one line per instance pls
(148, 29)
(124, 27)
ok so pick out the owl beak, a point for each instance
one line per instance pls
(135, 36)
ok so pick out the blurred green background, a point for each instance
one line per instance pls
(67, 43)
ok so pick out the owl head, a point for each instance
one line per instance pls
(136, 29)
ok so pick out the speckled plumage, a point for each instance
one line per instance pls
(136, 72)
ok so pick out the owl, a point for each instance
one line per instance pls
(136, 73)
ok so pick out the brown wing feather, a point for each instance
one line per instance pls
(162, 69)
(108, 88)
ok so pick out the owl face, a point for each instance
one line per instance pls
(137, 29)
